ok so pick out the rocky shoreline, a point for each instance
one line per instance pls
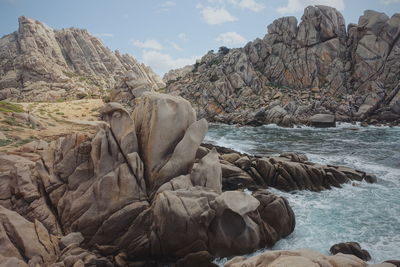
(141, 187)
(144, 191)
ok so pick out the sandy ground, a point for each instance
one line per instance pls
(57, 119)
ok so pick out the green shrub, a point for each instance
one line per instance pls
(10, 107)
(5, 142)
(11, 121)
(106, 99)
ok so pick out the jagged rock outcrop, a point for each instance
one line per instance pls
(137, 191)
(301, 258)
(177, 73)
(298, 70)
(24, 243)
(288, 172)
(38, 63)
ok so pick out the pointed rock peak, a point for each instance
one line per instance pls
(26, 20)
(373, 20)
(27, 25)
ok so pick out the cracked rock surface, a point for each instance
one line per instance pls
(38, 63)
(299, 69)
(136, 191)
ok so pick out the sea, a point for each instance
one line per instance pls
(365, 213)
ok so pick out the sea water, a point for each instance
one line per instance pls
(366, 213)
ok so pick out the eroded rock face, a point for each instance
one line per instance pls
(25, 243)
(136, 191)
(301, 69)
(41, 64)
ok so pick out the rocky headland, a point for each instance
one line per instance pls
(38, 63)
(317, 66)
(131, 195)
(143, 190)
(88, 183)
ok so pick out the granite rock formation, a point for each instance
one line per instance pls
(38, 63)
(288, 172)
(301, 69)
(139, 190)
(300, 258)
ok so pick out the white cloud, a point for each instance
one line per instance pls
(162, 63)
(252, 5)
(231, 39)
(104, 35)
(183, 37)
(388, 2)
(248, 4)
(216, 15)
(149, 44)
(295, 6)
(168, 4)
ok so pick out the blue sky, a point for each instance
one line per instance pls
(170, 34)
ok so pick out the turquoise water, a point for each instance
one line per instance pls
(365, 213)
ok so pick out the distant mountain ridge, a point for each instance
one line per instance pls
(38, 63)
(297, 70)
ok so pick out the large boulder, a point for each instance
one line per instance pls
(323, 120)
(26, 241)
(352, 248)
(168, 136)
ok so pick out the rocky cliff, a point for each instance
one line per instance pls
(132, 195)
(143, 190)
(301, 69)
(38, 63)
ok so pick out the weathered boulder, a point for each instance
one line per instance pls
(168, 136)
(25, 241)
(323, 120)
(352, 248)
(22, 191)
(71, 238)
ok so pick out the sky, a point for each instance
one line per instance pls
(168, 34)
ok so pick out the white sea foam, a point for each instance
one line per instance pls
(365, 213)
